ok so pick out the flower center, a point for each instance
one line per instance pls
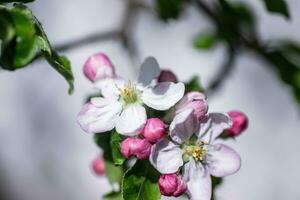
(129, 93)
(196, 150)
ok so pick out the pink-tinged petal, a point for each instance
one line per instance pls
(195, 101)
(154, 130)
(239, 123)
(212, 126)
(149, 71)
(222, 160)
(132, 120)
(166, 156)
(163, 96)
(98, 165)
(98, 66)
(167, 184)
(140, 148)
(198, 181)
(99, 115)
(183, 126)
(171, 185)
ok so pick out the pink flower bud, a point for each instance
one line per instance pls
(167, 76)
(171, 185)
(239, 123)
(154, 130)
(98, 166)
(195, 101)
(140, 148)
(98, 66)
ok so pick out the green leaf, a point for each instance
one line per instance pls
(235, 19)
(22, 37)
(115, 143)
(193, 85)
(169, 9)
(113, 196)
(140, 182)
(113, 173)
(59, 63)
(205, 41)
(19, 45)
(277, 7)
(7, 30)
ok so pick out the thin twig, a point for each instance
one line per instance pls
(225, 71)
(96, 37)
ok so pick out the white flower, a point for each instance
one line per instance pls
(193, 147)
(122, 104)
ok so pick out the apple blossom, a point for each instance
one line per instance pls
(154, 130)
(140, 148)
(193, 148)
(171, 185)
(98, 66)
(122, 104)
(239, 123)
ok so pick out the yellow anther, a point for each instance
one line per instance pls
(128, 93)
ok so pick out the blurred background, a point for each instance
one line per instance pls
(45, 155)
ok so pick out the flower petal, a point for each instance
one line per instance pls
(99, 115)
(163, 96)
(132, 120)
(212, 126)
(198, 181)
(149, 70)
(183, 126)
(166, 156)
(222, 160)
(109, 86)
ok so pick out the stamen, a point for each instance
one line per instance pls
(197, 151)
(129, 93)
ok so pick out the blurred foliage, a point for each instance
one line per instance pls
(235, 25)
(169, 9)
(17, 1)
(113, 196)
(23, 38)
(216, 182)
(277, 6)
(193, 85)
(205, 41)
(113, 172)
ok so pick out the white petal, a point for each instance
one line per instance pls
(163, 96)
(198, 181)
(132, 120)
(109, 86)
(212, 126)
(149, 70)
(183, 126)
(222, 160)
(99, 116)
(166, 156)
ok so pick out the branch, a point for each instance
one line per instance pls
(225, 71)
(124, 34)
(96, 37)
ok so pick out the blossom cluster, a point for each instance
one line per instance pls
(182, 145)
